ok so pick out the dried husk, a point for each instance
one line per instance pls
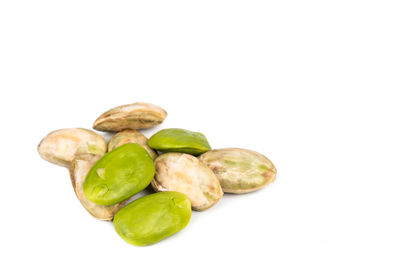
(240, 170)
(61, 146)
(186, 174)
(132, 116)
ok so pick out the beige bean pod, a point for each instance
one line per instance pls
(133, 116)
(186, 174)
(240, 170)
(60, 146)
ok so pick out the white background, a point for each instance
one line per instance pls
(313, 85)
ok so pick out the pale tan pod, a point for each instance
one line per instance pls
(131, 136)
(240, 170)
(132, 116)
(184, 173)
(78, 170)
(60, 146)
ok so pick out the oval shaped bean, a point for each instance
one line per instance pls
(179, 140)
(240, 170)
(152, 218)
(132, 116)
(60, 146)
(119, 174)
(186, 174)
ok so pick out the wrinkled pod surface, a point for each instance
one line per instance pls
(61, 146)
(132, 116)
(186, 174)
(240, 170)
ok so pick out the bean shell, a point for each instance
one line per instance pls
(240, 170)
(79, 168)
(60, 146)
(186, 174)
(132, 116)
(152, 218)
(130, 136)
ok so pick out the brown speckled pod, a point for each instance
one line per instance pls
(60, 146)
(132, 116)
(240, 170)
(130, 136)
(78, 170)
(186, 174)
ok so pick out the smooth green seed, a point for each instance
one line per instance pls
(152, 218)
(119, 174)
(179, 140)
